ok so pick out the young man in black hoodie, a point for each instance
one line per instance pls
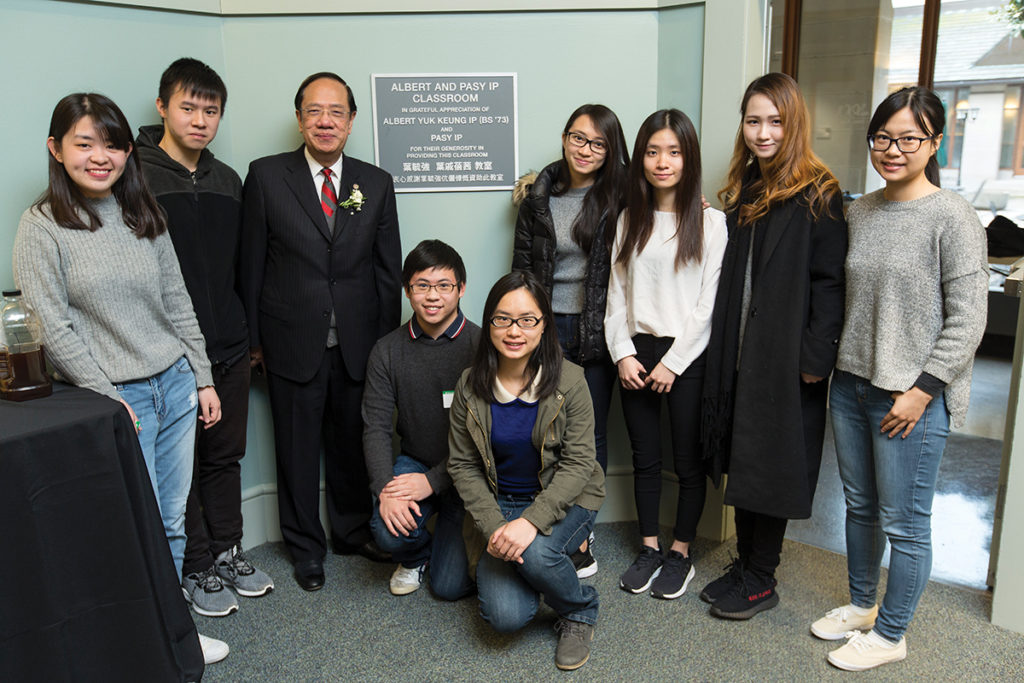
(202, 199)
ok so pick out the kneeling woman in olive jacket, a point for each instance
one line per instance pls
(521, 455)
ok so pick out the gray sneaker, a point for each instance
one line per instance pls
(238, 572)
(573, 649)
(207, 594)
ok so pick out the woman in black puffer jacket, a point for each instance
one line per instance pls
(564, 232)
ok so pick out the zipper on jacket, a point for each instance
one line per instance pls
(561, 399)
(483, 453)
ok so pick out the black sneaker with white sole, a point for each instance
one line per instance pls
(641, 574)
(675, 575)
(584, 562)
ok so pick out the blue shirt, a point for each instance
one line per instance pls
(516, 459)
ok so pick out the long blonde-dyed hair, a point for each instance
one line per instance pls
(794, 170)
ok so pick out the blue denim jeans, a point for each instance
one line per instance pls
(446, 550)
(510, 592)
(166, 406)
(602, 378)
(889, 486)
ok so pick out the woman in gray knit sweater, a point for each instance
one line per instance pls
(93, 258)
(916, 287)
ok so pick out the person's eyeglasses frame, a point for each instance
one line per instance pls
(572, 136)
(877, 136)
(442, 288)
(516, 321)
(314, 114)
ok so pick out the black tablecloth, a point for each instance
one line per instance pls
(87, 585)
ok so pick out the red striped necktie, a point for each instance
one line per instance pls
(328, 197)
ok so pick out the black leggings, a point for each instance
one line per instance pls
(759, 540)
(642, 411)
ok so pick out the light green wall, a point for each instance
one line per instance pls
(680, 38)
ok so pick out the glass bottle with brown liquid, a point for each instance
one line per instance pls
(22, 365)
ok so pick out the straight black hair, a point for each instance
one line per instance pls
(928, 112)
(547, 356)
(194, 78)
(316, 77)
(605, 196)
(689, 212)
(432, 254)
(139, 209)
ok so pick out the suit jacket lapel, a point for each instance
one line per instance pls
(778, 222)
(306, 192)
(349, 178)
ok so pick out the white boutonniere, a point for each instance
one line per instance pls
(355, 200)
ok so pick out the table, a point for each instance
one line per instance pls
(88, 589)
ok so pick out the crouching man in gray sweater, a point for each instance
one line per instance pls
(414, 370)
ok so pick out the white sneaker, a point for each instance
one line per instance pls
(838, 622)
(213, 650)
(866, 651)
(406, 580)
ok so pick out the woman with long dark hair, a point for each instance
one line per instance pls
(773, 340)
(94, 259)
(521, 455)
(564, 231)
(917, 282)
(665, 267)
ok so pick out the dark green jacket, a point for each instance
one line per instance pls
(564, 435)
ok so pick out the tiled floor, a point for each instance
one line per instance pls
(962, 513)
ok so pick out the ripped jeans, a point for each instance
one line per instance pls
(166, 405)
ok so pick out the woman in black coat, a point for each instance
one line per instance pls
(774, 337)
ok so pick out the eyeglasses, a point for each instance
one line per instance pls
(423, 287)
(596, 146)
(908, 144)
(316, 112)
(527, 322)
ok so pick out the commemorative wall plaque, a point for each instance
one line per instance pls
(446, 132)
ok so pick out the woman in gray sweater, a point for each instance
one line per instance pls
(916, 288)
(93, 258)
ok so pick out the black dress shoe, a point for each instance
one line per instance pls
(309, 574)
(369, 550)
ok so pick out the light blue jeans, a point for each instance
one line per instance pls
(889, 486)
(446, 550)
(166, 406)
(510, 592)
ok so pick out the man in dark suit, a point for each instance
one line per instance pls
(321, 268)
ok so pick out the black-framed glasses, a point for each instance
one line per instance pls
(908, 144)
(424, 287)
(596, 146)
(315, 113)
(527, 322)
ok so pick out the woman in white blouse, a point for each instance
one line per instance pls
(665, 265)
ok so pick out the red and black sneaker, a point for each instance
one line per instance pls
(721, 586)
(752, 594)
